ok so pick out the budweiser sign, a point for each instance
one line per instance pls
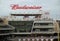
(16, 6)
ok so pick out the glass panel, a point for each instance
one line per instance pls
(22, 26)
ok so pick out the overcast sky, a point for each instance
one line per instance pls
(53, 6)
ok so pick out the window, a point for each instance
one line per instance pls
(22, 26)
(36, 30)
(42, 29)
(4, 26)
(1, 20)
(37, 24)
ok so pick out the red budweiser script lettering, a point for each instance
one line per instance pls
(16, 6)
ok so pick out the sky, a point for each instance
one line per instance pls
(52, 6)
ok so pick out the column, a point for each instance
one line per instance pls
(23, 39)
(51, 39)
(37, 39)
(42, 39)
(46, 39)
(19, 40)
(32, 39)
(28, 39)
